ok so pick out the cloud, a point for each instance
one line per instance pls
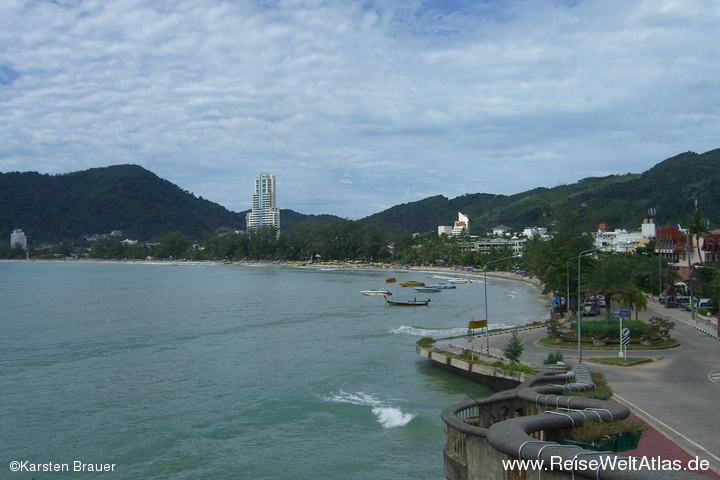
(357, 106)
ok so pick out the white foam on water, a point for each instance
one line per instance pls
(430, 332)
(387, 415)
(391, 417)
(358, 398)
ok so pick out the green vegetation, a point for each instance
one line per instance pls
(473, 357)
(611, 330)
(426, 342)
(625, 362)
(554, 358)
(602, 388)
(515, 367)
(590, 432)
(661, 325)
(514, 348)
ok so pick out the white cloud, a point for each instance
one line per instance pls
(357, 106)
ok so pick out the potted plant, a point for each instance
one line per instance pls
(592, 436)
(662, 327)
(628, 435)
(615, 436)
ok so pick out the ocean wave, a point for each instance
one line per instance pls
(430, 332)
(387, 415)
(391, 417)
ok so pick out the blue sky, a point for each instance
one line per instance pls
(357, 106)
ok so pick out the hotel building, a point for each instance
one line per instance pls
(264, 210)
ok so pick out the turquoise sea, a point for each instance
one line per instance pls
(178, 371)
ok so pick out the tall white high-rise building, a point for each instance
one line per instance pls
(264, 211)
(18, 239)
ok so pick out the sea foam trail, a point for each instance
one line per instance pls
(388, 416)
(429, 332)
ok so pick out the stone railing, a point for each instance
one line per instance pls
(474, 451)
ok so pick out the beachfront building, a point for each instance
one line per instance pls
(622, 241)
(513, 246)
(460, 228)
(679, 249)
(18, 239)
(264, 209)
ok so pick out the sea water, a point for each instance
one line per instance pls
(230, 371)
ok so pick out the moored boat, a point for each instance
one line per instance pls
(410, 303)
(412, 283)
(390, 280)
(460, 280)
(443, 286)
(375, 292)
(427, 289)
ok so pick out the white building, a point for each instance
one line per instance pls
(444, 230)
(18, 239)
(264, 209)
(514, 245)
(622, 241)
(461, 226)
(531, 232)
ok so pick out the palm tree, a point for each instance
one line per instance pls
(633, 299)
(699, 227)
(609, 276)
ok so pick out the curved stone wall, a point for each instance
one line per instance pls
(475, 451)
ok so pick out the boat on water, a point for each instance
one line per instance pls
(390, 280)
(375, 292)
(460, 280)
(427, 289)
(443, 286)
(412, 283)
(409, 303)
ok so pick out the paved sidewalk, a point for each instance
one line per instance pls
(672, 395)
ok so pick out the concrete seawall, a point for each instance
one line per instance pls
(492, 377)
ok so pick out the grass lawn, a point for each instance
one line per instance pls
(588, 345)
(623, 362)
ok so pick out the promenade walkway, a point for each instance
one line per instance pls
(675, 395)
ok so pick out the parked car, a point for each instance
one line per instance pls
(590, 309)
(600, 300)
(683, 302)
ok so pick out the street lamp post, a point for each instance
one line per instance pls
(487, 326)
(579, 326)
(712, 268)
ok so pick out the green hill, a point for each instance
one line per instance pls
(622, 201)
(52, 208)
(123, 197)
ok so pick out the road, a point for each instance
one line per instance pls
(678, 394)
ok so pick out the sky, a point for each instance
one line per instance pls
(357, 106)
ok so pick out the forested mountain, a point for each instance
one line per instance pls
(53, 208)
(622, 201)
(129, 198)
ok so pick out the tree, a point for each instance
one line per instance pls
(608, 276)
(172, 245)
(633, 299)
(514, 348)
(699, 227)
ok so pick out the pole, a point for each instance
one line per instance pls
(487, 347)
(487, 325)
(579, 306)
(690, 275)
